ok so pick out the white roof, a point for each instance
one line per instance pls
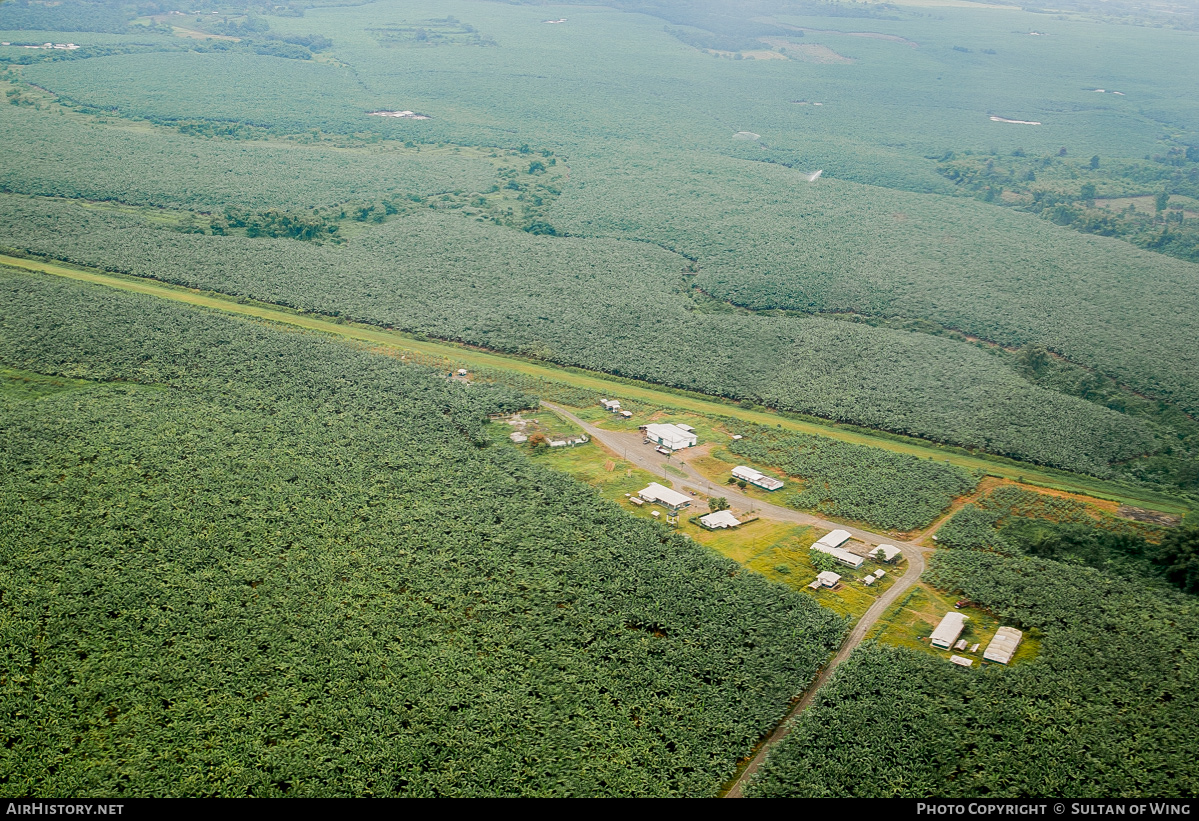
(889, 551)
(671, 435)
(828, 578)
(949, 629)
(746, 473)
(961, 661)
(657, 493)
(687, 428)
(721, 518)
(1003, 646)
(843, 556)
(834, 538)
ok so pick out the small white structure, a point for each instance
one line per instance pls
(737, 437)
(844, 556)
(626, 414)
(462, 371)
(974, 649)
(961, 645)
(878, 574)
(637, 501)
(612, 405)
(868, 581)
(756, 477)
(659, 495)
(1003, 646)
(686, 428)
(670, 436)
(962, 661)
(948, 630)
(719, 519)
(834, 538)
(828, 579)
(886, 552)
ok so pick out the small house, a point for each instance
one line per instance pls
(719, 519)
(886, 553)
(962, 661)
(658, 495)
(828, 579)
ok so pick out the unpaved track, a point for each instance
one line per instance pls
(632, 447)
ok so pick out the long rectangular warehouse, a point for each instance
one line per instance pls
(1003, 646)
(664, 496)
(948, 630)
(756, 477)
(843, 556)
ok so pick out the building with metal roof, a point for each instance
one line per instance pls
(670, 436)
(828, 579)
(834, 538)
(719, 519)
(756, 477)
(844, 556)
(1003, 646)
(885, 552)
(948, 630)
(659, 495)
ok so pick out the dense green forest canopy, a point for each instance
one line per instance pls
(239, 560)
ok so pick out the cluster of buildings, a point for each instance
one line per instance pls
(613, 406)
(948, 635)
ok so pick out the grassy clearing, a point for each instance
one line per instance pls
(911, 621)
(777, 550)
(682, 405)
(19, 384)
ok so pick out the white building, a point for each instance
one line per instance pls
(886, 552)
(719, 519)
(828, 579)
(948, 630)
(659, 495)
(961, 661)
(756, 477)
(612, 405)
(834, 538)
(844, 556)
(670, 436)
(1003, 646)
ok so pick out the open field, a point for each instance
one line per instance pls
(643, 393)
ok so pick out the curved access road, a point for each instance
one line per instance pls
(632, 447)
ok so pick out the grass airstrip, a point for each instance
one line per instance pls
(624, 388)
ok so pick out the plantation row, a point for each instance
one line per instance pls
(607, 306)
(888, 490)
(1106, 709)
(247, 561)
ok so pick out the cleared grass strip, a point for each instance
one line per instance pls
(630, 389)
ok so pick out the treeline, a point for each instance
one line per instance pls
(1106, 709)
(261, 563)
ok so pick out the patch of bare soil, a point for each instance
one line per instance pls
(1140, 514)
